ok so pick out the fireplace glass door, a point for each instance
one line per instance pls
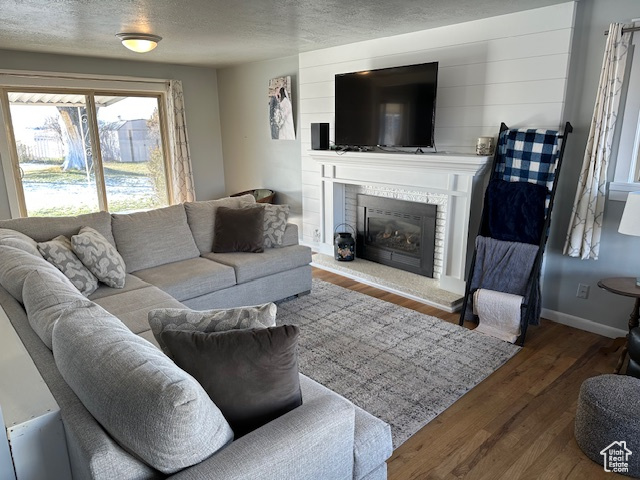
(397, 233)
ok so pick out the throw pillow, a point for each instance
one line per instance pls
(16, 239)
(99, 256)
(161, 319)
(251, 375)
(147, 404)
(201, 217)
(60, 253)
(239, 230)
(515, 211)
(275, 223)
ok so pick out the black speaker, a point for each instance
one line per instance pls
(320, 136)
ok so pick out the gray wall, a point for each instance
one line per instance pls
(200, 97)
(619, 254)
(251, 158)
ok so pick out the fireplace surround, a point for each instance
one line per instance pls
(455, 180)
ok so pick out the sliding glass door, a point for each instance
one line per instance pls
(83, 151)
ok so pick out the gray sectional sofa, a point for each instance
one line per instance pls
(169, 263)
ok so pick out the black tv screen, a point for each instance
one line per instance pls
(392, 107)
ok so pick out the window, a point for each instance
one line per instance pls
(80, 152)
(627, 168)
(74, 145)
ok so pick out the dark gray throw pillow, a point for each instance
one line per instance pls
(251, 375)
(239, 230)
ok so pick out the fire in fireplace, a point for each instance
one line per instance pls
(396, 233)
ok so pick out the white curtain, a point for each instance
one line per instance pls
(181, 171)
(583, 237)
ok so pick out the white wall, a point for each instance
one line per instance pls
(251, 158)
(201, 106)
(512, 68)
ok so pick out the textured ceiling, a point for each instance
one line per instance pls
(218, 33)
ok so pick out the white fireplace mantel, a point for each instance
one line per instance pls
(459, 177)
(460, 164)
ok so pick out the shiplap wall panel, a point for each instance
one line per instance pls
(538, 91)
(512, 68)
(504, 49)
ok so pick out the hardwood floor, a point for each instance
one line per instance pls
(516, 424)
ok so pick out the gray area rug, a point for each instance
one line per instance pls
(402, 366)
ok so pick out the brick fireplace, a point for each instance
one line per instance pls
(452, 183)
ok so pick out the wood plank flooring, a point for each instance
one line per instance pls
(516, 424)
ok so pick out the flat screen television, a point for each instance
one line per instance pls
(391, 107)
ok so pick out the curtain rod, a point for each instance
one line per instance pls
(625, 30)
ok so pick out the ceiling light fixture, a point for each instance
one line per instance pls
(139, 42)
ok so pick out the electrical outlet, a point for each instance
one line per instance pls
(583, 291)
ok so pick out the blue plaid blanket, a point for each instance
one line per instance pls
(528, 155)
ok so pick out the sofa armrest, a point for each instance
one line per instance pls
(290, 235)
(314, 440)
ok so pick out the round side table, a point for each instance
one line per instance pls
(625, 286)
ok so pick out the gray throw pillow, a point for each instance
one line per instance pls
(99, 256)
(251, 375)
(59, 253)
(239, 230)
(46, 294)
(146, 403)
(201, 216)
(275, 223)
(161, 319)
(16, 239)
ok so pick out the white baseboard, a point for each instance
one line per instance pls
(582, 324)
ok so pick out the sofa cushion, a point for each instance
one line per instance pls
(132, 307)
(42, 229)
(275, 224)
(185, 319)
(155, 237)
(273, 260)
(250, 374)
(16, 239)
(189, 278)
(141, 398)
(290, 236)
(99, 256)
(239, 230)
(46, 294)
(15, 265)
(59, 252)
(202, 217)
(372, 437)
(131, 282)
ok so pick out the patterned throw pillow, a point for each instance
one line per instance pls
(275, 223)
(99, 256)
(161, 319)
(59, 252)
